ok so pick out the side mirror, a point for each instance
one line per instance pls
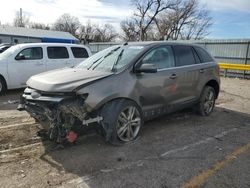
(147, 68)
(20, 57)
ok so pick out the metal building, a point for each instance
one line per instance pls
(10, 34)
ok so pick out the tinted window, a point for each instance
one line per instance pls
(184, 55)
(57, 53)
(31, 53)
(196, 57)
(203, 55)
(162, 57)
(79, 52)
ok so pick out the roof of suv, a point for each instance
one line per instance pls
(150, 43)
(49, 44)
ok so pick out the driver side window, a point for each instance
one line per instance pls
(30, 54)
(162, 57)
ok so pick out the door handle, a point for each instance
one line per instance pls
(202, 70)
(38, 64)
(173, 76)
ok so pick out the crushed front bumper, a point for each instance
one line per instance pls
(58, 113)
(42, 105)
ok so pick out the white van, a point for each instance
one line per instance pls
(20, 62)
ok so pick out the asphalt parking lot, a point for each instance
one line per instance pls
(178, 150)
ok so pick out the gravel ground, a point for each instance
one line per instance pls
(178, 150)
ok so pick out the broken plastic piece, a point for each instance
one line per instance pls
(71, 137)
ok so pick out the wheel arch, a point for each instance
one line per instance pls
(2, 77)
(214, 84)
(100, 106)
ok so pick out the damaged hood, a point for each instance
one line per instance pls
(64, 80)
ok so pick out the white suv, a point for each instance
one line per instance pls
(20, 62)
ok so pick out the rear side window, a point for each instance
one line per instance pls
(203, 55)
(184, 56)
(196, 57)
(57, 52)
(79, 52)
(30, 54)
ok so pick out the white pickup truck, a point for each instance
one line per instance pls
(20, 62)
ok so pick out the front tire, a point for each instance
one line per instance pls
(122, 121)
(207, 101)
(3, 86)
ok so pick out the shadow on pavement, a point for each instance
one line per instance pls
(10, 100)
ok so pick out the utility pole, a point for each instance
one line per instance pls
(21, 17)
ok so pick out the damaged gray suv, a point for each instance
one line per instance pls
(120, 87)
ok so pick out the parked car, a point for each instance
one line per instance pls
(121, 87)
(4, 47)
(20, 62)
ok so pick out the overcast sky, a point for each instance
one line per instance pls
(231, 17)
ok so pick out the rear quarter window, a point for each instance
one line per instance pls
(79, 52)
(203, 55)
(57, 52)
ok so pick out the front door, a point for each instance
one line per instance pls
(158, 90)
(26, 63)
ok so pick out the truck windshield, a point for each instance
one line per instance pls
(111, 59)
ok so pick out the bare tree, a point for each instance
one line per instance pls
(86, 33)
(34, 25)
(198, 27)
(187, 20)
(167, 19)
(67, 23)
(130, 30)
(20, 20)
(105, 33)
(147, 11)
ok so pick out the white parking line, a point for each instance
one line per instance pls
(76, 183)
(205, 141)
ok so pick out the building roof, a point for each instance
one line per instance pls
(35, 33)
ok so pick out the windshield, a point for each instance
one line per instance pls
(111, 59)
(7, 53)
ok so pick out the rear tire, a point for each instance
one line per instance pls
(207, 101)
(122, 121)
(3, 86)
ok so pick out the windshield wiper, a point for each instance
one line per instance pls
(94, 63)
(118, 59)
(111, 52)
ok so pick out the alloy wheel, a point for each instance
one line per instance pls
(128, 124)
(209, 102)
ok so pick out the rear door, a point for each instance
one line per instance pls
(79, 54)
(206, 66)
(58, 57)
(157, 90)
(187, 72)
(28, 62)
